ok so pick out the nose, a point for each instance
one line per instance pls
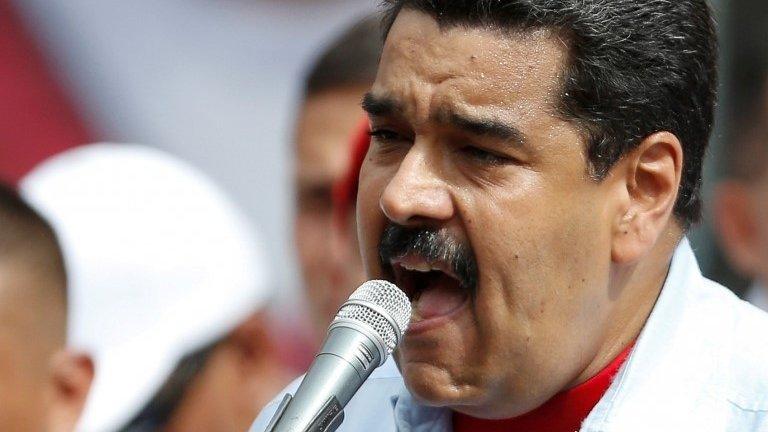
(417, 194)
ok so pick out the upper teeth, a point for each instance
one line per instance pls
(419, 267)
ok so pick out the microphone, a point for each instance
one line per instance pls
(367, 328)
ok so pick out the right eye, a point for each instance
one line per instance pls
(384, 135)
(388, 142)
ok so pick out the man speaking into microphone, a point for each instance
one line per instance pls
(533, 169)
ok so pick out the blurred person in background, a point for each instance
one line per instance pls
(740, 206)
(741, 201)
(346, 253)
(167, 289)
(329, 112)
(43, 386)
(155, 71)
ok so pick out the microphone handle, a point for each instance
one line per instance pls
(347, 358)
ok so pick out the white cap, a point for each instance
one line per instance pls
(160, 264)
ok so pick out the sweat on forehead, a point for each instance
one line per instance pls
(478, 80)
(473, 49)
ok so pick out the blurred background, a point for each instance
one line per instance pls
(220, 84)
(216, 82)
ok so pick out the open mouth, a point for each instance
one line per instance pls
(434, 290)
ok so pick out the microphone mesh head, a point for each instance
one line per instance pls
(390, 299)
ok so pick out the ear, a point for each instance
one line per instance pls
(252, 342)
(71, 377)
(262, 373)
(651, 175)
(736, 224)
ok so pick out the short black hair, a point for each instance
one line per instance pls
(636, 67)
(27, 238)
(349, 60)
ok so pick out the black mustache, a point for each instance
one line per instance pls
(432, 245)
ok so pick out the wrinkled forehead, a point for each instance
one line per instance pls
(423, 61)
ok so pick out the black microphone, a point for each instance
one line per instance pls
(366, 330)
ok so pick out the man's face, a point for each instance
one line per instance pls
(471, 174)
(323, 134)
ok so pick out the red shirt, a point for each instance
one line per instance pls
(563, 413)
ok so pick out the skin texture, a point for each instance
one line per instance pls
(24, 365)
(44, 386)
(239, 378)
(569, 268)
(323, 131)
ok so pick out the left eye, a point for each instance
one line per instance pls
(484, 156)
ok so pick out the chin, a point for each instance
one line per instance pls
(431, 385)
(434, 387)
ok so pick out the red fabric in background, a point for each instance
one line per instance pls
(563, 413)
(345, 190)
(37, 119)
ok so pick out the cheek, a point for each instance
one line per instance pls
(22, 404)
(543, 255)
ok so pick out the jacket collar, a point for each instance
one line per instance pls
(411, 416)
(665, 355)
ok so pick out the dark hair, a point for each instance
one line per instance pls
(636, 67)
(351, 59)
(27, 237)
(158, 411)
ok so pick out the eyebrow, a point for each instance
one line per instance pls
(380, 106)
(484, 127)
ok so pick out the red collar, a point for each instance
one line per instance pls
(563, 413)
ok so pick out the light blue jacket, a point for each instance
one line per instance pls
(700, 365)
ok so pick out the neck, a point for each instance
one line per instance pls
(636, 288)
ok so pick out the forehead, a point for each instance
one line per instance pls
(428, 65)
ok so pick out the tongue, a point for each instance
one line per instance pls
(442, 297)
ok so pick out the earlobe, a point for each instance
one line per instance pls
(653, 173)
